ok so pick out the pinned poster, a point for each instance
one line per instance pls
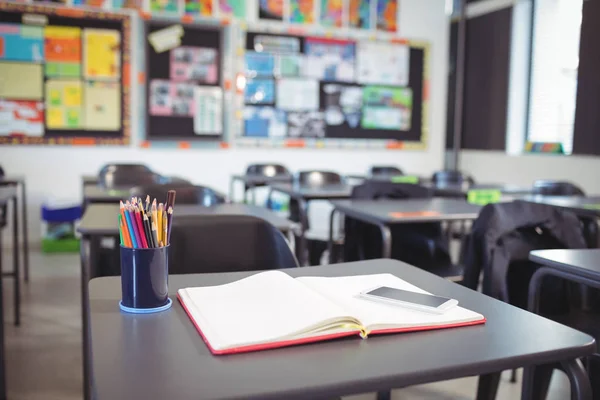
(343, 104)
(270, 10)
(232, 8)
(259, 64)
(330, 59)
(21, 118)
(387, 108)
(21, 43)
(264, 122)
(169, 6)
(306, 124)
(297, 94)
(276, 44)
(208, 116)
(101, 50)
(194, 64)
(359, 14)
(332, 12)
(287, 65)
(171, 99)
(259, 91)
(21, 81)
(202, 8)
(63, 51)
(102, 106)
(302, 11)
(387, 15)
(64, 104)
(382, 63)
(166, 39)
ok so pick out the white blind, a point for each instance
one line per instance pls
(555, 58)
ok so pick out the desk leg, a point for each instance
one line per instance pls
(85, 276)
(384, 395)
(231, 187)
(2, 352)
(25, 234)
(303, 228)
(16, 251)
(330, 241)
(386, 236)
(487, 387)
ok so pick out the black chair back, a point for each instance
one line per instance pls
(123, 175)
(319, 178)
(383, 170)
(186, 194)
(3, 209)
(449, 177)
(269, 170)
(227, 243)
(374, 190)
(556, 188)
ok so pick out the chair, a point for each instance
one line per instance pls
(264, 170)
(186, 194)
(556, 188)
(3, 210)
(123, 175)
(449, 177)
(227, 243)
(421, 244)
(319, 178)
(384, 170)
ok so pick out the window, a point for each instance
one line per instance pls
(554, 63)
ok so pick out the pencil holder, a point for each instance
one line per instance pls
(144, 280)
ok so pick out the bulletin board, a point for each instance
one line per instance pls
(325, 91)
(64, 76)
(184, 82)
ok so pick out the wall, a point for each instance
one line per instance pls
(57, 171)
(498, 167)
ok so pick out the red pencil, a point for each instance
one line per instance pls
(138, 221)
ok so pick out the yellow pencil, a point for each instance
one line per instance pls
(164, 223)
(154, 216)
(160, 222)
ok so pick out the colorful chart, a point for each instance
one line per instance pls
(21, 118)
(359, 14)
(302, 11)
(164, 6)
(21, 81)
(63, 51)
(264, 122)
(270, 9)
(102, 48)
(332, 13)
(232, 8)
(102, 106)
(194, 64)
(260, 91)
(387, 108)
(330, 59)
(21, 43)
(64, 104)
(203, 8)
(259, 64)
(387, 15)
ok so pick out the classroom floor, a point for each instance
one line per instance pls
(44, 353)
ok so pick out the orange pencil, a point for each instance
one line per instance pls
(125, 229)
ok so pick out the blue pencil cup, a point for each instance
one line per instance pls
(145, 280)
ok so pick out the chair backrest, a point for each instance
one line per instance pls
(450, 177)
(556, 188)
(1, 172)
(122, 175)
(112, 167)
(227, 243)
(186, 194)
(374, 190)
(267, 170)
(318, 178)
(385, 170)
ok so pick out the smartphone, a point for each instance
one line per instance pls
(413, 300)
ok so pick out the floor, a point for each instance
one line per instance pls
(44, 353)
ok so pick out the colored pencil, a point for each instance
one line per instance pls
(169, 222)
(121, 230)
(154, 216)
(165, 228)
(147, 203)
(148, 231)
(136, 231)
(159, 223)
(154, 234)
(131, 230)
(138, 221)
(126, 234)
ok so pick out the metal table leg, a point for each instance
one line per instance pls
(231, 187)
(303, 259)
(85, 276)
(16, 272)
(487, 387)
(330, 241)
(386, 236)
(2, 352)
(25, 233)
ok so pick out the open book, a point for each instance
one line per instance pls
(272, 309)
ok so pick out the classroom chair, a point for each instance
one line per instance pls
(3, 211)
(266, 171)
(318, 178)
(498, 248)
(227, 243)
(185, 194)
(420, 244)
(450, 177)
(384, 170)
(556, 188)
(123, 175)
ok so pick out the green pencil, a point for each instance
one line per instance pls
(120, 230)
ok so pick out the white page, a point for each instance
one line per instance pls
(298, 94)
(262, 308)
(382, 63)
(374, 315)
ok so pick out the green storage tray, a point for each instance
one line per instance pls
(60, 246)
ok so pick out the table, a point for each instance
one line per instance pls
(384, 213)
(98, 194)
(19, 181)
(101, 220)
(162, 356)
(303, 194)
(252, 181)
(582, 206)
(461, 190)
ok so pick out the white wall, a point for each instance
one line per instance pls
(57, 170)
(498, 167)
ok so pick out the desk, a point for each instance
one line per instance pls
(384, 213)
(252, 181)
(461, 190)
(101, 220)
(89, 180)
(583, 262)
(162, 356)
(303, 194)
(19, 181)
(582, 206)
(97, 194)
